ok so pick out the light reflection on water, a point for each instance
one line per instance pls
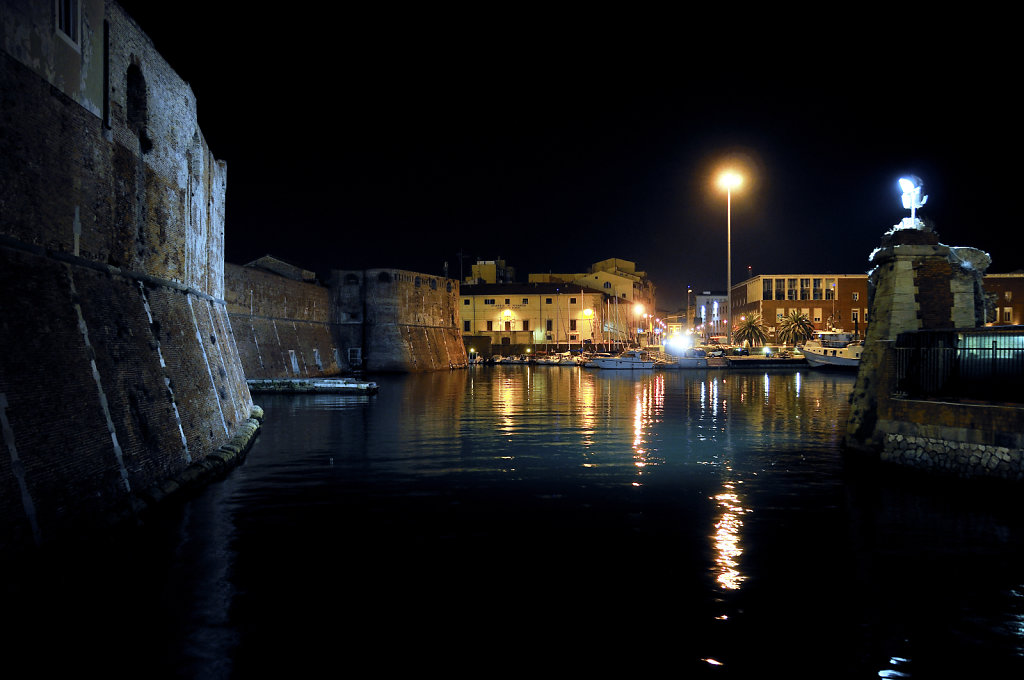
(481, 518)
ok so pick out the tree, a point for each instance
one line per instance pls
(752, 331)
(795, 329)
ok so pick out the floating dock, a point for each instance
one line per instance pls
(313, 385)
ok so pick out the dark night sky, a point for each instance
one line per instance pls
(397, 140)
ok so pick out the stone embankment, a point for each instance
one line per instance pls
(199, 474)
(953, 457)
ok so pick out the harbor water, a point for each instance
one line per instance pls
(520, 520)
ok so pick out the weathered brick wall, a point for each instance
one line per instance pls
(277, 318)
(118, 365)
(403, 321)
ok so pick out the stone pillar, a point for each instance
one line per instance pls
(917, 284)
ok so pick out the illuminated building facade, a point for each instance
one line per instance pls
(1005, 303)
(830, 301)
(556, 314)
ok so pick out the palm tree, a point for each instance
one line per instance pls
(752, 331)
(795, 328)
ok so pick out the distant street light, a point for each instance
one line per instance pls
(728, 180)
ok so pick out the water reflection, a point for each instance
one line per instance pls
(727, 537)
(451, 507)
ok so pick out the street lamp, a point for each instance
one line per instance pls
(728, 180)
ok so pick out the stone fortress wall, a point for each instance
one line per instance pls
(398, 321)
(282, 324)
(118, 364)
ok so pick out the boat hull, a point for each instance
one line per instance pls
(817, 360)
(617, 364)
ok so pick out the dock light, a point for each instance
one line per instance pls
(588, 313)
(507, 313)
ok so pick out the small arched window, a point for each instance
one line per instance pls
(136, 110)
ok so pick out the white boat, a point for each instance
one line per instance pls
(633, 359)
(833, 349)
(692, 358)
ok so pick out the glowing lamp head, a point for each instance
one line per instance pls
(507, 313)
(588, 313)
(912, 189)
(729, 180)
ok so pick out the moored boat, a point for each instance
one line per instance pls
(833, 349)
(632, 359)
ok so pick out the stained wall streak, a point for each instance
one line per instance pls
(111, 234)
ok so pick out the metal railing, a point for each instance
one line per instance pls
(977, 364)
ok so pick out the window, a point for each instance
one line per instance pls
(767, 292)
(526, 324)
(547, 301)
(68, 20)
(816, 289)
(526, 301)
(780, 289)
(805, 289)
(855, 315)
(488, 301)
(856, 296)
(1007, 314)
(417, 282)
(508, 325)
(830, 289)
(572, 301)
(508, 301)
(1009, 295)
(136, 106)
(465, 301)
(607, 284)
(791, 289)
(549, 325)
(465, 326)
(490, 325)
(433, 284)
(817, 315)
(572, 324)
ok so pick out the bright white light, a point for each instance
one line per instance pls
(911, 188)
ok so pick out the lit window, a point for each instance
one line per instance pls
(856, 296)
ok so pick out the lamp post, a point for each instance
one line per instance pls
(728, 180)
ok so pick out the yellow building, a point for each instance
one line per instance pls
(491, 271)
(556, 315)
(614, 277)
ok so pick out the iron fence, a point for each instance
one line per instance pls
(979, 364)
